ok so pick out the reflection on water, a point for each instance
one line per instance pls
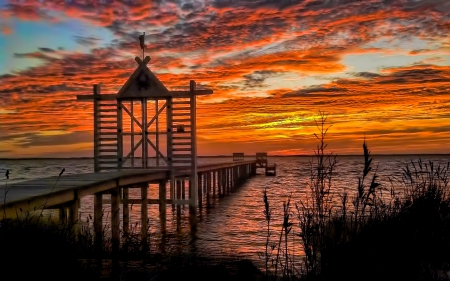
(235, 224)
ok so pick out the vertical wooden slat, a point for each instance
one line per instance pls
(157, 132)
(194, 181)
(96, 91)
(119, 135)
(169, 111)
(132, 131)
(144, 133)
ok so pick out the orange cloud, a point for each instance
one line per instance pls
(236, 49)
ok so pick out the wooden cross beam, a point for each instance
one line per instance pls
(142, 63)
(192, 91)
(96, 95)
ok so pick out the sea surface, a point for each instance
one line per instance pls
(234, 225)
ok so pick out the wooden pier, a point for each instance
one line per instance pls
(64, 193)
(144, 134)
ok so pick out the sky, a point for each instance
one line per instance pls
(378, 69)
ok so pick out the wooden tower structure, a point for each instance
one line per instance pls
(147, 126)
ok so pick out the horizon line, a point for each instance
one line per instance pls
(248, 155)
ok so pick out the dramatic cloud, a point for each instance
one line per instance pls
(379, 68)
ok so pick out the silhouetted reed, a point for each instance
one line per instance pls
(401, 234)
(6, 192)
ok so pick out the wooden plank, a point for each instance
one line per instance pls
(182, 102)
(181, 120)
(181, 149)
(188, 93)
(182, 143)
(181, 155)
(99, 97)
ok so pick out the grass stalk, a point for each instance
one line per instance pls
(51, 191)
(6, 192)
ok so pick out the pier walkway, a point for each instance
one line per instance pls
(143, 134)
(64, 193)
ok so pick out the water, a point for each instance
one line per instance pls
(235, 225)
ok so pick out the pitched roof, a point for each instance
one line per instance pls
(142, 83)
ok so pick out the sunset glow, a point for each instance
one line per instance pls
(379, 69)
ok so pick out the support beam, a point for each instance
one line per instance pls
(144, 133)
(200, 183)
(208, 189)
(183, 189)
(62, 211)
(98, 219)
(162, 205)
(125, 211)
(193, 179)
(73, 214)
(115, 220)
(144, 216)
(214, 183)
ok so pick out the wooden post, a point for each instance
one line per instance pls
(214, 183)
(183, 189)
(169, 117)
(221, 180)
(96, 92)
(115, 221)
(125, 211)
(73, 213)
(98, 219)
(201, 183)
(132, 131)
(208, 188)
(178, 197)
(228, 180)
(194, 180)
(62, 210)
(144, 215)
(144, 133)
(119, 135)
(157, 131)
(162, 205)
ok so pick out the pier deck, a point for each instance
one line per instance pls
(51, 192)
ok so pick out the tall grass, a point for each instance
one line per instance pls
(34, 246)
(374, 232)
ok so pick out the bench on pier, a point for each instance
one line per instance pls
(261, 159)
(238, 156)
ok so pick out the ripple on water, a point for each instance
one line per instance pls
(235, 224)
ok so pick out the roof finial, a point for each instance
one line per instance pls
(142, 43)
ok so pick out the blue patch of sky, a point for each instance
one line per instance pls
(29, 36)
(394, 53)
